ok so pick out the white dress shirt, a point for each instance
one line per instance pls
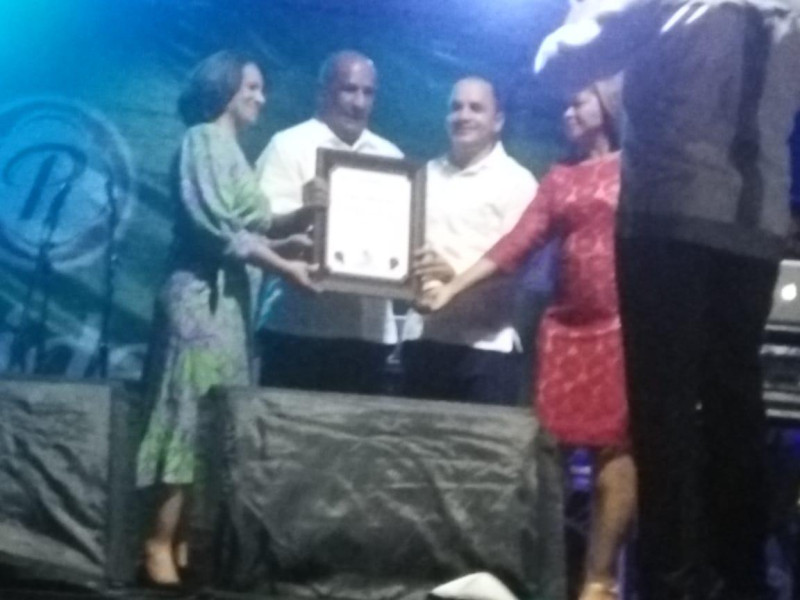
(467, 212)
(288, 162)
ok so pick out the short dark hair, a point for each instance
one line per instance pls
(497, 93)
(211, 85)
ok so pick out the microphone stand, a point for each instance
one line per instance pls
(109, 280)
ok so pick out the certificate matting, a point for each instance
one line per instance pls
(365, 240)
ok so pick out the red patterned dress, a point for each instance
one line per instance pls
(580, 389)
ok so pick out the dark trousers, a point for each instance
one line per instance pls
(332, 365)
(693, 321)
(461, 373)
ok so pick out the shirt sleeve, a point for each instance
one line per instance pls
(531, 232)
(525, 188)
(279, 179)
(598, 40)
(220, 195)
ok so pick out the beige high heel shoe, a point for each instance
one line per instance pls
(159, 566)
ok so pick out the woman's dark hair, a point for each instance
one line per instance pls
(211, 85)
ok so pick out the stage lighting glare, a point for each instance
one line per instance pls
(789, 292)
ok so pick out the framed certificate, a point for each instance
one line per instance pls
(375, 220)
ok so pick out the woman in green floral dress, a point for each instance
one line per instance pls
(204, 317)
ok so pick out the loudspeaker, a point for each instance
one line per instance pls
(67, 481)
(352, 497)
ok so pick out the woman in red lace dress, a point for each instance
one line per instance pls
(580, 390)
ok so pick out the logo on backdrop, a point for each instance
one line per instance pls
(65, 182)
(66, 189)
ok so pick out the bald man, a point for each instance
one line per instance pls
(470, 351)
(331, 341)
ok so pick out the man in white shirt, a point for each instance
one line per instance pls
(469, 351)
(331, 341)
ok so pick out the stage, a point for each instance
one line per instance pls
(370, 498)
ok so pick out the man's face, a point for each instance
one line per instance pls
(473, 121)
(348, 99)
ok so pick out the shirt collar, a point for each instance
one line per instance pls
(498, 154)
(334, 141)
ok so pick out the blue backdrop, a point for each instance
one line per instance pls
(88, 128)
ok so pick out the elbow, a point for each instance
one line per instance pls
(545, 59)
(565, 60)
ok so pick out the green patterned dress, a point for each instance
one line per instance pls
(203, 318)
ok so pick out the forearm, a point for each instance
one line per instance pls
(296, 221)
(482, 269)
(261, 255)
(300, 273)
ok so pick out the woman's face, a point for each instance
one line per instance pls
(584, 117)
(246, 104)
